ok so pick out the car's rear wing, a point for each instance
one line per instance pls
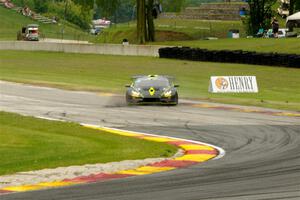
(171, 78)
(137, 76)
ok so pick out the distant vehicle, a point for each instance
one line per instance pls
(95, 31)
(101, 23)
(283, 9)
(293, 21)
(29, 33)
(98, 25)
(282, 32)
(156, 89)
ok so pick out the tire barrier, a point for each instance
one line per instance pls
(231, 56)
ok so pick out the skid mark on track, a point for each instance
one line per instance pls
(249, 110)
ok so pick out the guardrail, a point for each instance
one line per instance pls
(107, 49)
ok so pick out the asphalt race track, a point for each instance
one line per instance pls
(262, 158)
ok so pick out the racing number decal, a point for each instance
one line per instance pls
(151, 91)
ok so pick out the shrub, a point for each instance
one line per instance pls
(72, 12)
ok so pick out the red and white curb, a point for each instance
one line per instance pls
(194, 153)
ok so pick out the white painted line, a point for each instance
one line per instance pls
(162, 25)
(180, 27)
(221, 151)
(220, 155)
(202, 28)
(51, 119)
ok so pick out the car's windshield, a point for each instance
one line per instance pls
(152, 83)
(33, 31)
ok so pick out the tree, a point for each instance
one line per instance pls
(260, 15)
(141, 21)
(147, 10)
(292, 7)
(150, 23)
(176, 5)
(144, 10)
(109, 7)
(40, 6)
(297, 6)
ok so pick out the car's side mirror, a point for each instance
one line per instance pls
(127, 85)
(176, 85)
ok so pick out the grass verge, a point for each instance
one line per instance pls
(172, 29)
(278, 86)
(29, 143)
(12, 22)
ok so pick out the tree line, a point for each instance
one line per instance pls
(261, 13)
(81, 12)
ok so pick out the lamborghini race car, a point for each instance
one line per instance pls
(152, 89)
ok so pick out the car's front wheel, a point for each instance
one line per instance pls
(128, 99)
(175, 99)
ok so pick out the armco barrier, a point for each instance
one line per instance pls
(227, 56)
(108, 49)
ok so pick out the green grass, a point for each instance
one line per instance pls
(283, 45)
(172, 29)
(201, 28)
(177, 32)
(278, 86)
(191, 33)
(12, 22)
(29, 143)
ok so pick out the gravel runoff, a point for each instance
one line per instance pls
(61, 173)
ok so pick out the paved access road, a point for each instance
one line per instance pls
(262, 158)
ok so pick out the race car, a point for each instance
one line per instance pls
(157, 89)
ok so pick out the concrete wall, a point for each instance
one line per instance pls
(107, 49)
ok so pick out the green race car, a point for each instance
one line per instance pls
(157, 89)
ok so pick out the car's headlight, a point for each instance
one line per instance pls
(135, 94)
(168, 93)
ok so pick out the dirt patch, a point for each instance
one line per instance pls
(171, 36)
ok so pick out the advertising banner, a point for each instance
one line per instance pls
(233, 84)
